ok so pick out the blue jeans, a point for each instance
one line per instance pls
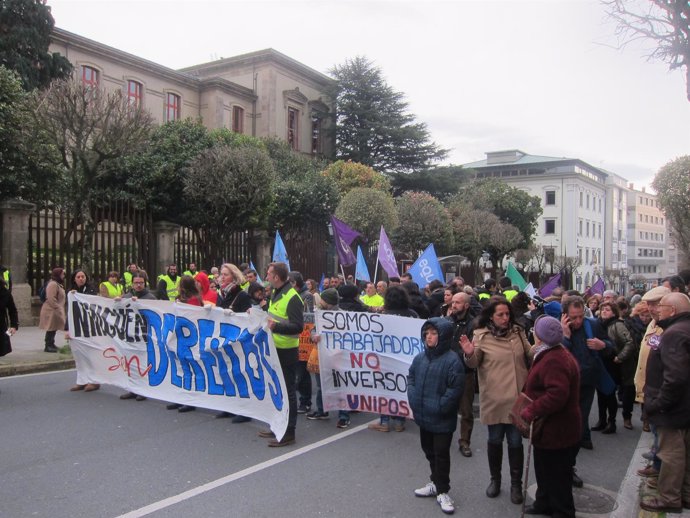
(586, 399)
(385, 419)
(511, 433)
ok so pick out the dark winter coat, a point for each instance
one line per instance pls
(236, 299)
(667, 386)
(553, 384)
(624, 348)
(435, 381)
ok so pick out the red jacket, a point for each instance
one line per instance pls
(554, 386)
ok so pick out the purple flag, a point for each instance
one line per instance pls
(385, 255)
(597, 287)
(343, 236)
(547, 288)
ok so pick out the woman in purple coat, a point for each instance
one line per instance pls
(553, 385)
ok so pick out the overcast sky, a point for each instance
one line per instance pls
(543, 77)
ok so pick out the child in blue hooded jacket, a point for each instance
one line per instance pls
(434, 389)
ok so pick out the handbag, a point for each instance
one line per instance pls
(521, 402)
(313, 362)
(5, 344)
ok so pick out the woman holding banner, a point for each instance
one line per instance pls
(499, 352)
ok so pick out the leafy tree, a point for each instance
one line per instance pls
(25, 29)
(510, 204)
(155, 177)
(228, 188)
(665, 23)
(478, 231)
(349, 175)
(672, 183)
(422, 220)
(372, 124)
(83, 129)
(440, 182)
(366, 209)
(22, 176)
(305, 195)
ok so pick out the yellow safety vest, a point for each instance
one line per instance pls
(187, 272)
(375, 301)
(278, 311)
(6, 276)
(509, 294)
(483, 295)
(244, 286)
(170, 286)
(128, 280)
(114, 290)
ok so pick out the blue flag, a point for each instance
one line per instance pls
(321, 283)
(426, 268)
(279, 252)
(361, 272)
(252, 267)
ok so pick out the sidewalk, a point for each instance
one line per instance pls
(27, 354)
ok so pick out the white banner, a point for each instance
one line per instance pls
(181, 354)
(364, 359)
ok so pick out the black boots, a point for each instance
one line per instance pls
(601, 424)
(610, 427)
(495, 453)
(516, 460)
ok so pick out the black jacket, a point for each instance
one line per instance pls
(8, 311)
(667, 385)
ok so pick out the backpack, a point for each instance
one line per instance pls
(634, 331)
(42, 295)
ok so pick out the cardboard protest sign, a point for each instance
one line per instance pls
(364, 360)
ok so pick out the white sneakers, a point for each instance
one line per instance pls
(443, 499)
(428, 490)
(446, 503)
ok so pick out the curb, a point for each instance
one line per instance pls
(30, 368)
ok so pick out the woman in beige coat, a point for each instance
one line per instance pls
(53, 310)
(499, 352)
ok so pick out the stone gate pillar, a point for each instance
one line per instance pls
(165, 247)
(262, 251)
(14, 253)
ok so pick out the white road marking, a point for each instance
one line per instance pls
(186, 495)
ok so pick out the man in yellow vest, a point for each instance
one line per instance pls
(191, 270)
(5, 276)
(128, 275)
(168, 284)
(507, 288)
(112, 287)
(371, 299)
(286, 322)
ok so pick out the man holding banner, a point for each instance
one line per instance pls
(286, 321)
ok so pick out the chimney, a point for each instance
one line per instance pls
(631, 186)
(643, 189)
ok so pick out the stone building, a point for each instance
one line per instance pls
(263, 93)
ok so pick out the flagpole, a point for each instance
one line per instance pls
(376, 270)
(342, 270)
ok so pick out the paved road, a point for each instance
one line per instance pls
(65, 454)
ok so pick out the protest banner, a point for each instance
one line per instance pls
(364, 360)
(305, 343)
(181, 354)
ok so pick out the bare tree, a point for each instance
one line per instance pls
(81, 130)
(666, 23)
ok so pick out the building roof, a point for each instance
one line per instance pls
(515, 157)
(259, 56)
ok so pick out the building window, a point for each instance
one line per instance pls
(620, 214)
(238, 119)
(588, 201)
(599, 231)
(134, 93)
(293, 128)
(586, 255)
(172, 107)
(316, 148)
(587, 232)
(550, 198)
(581, 198)
(579, 230)
(89, 76)
(550, 226)
(599, 204)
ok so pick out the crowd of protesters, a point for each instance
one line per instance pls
(560, 351)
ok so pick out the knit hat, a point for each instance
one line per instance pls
(656, 294)
(330, 296)
(548, 330)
